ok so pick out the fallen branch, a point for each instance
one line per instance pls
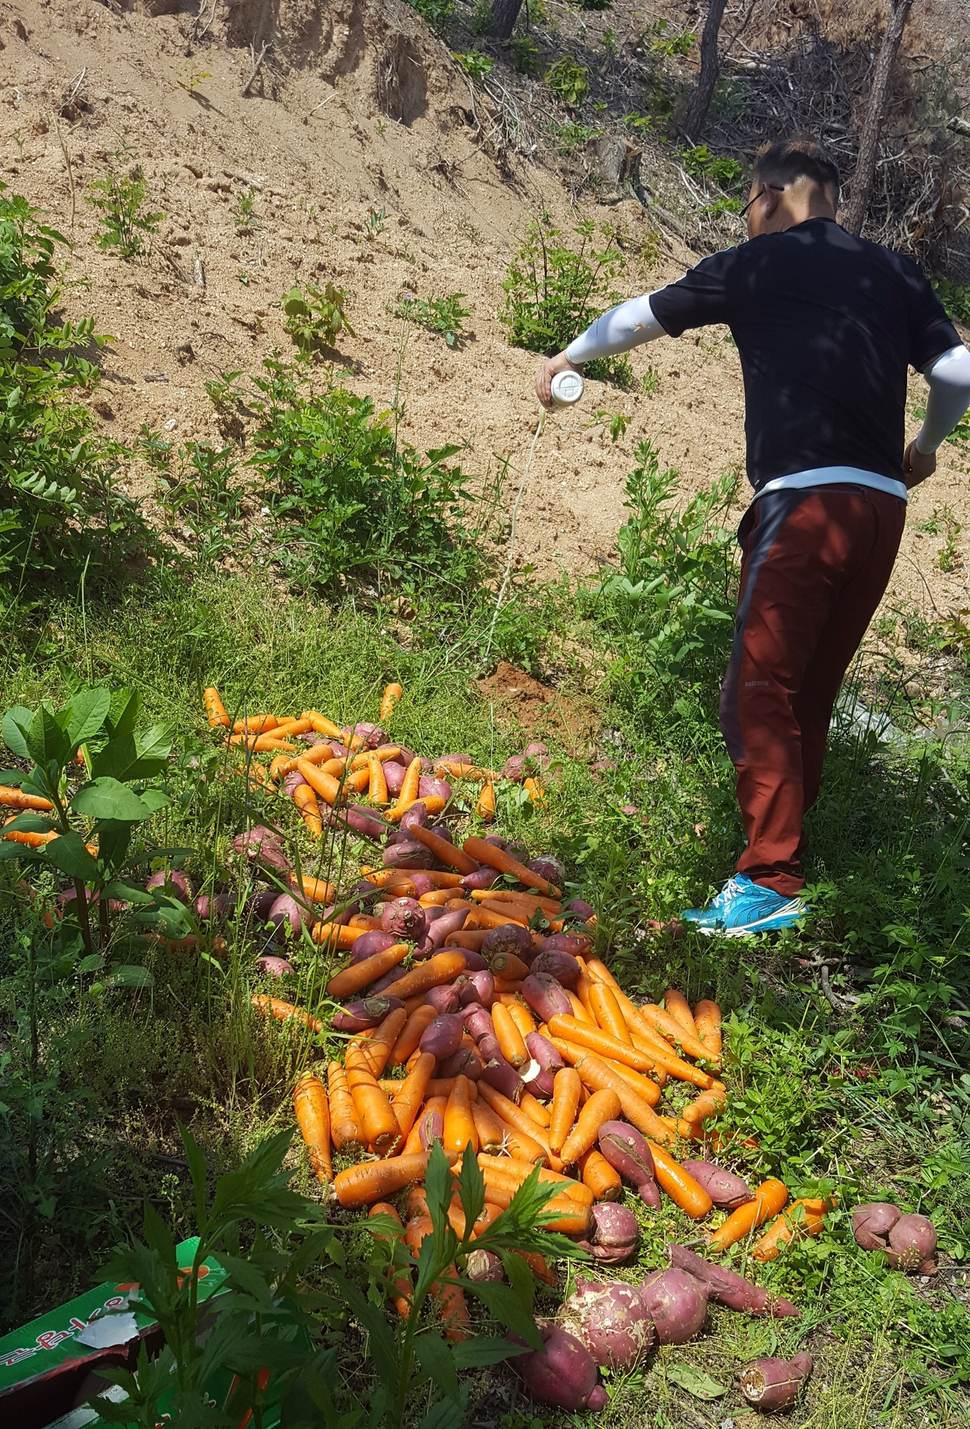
(257, 66)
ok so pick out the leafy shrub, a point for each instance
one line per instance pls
(120, 199)
(525, 54)
(435, 13)
(955, 297)
(349, 501)
(700, 163)
(315, 317)
(571, 137)
(673, 594)
(476, 65)
(58, 504)
(664, 39)
(443, 316)
(569, 81)
(201, 496)
(553, 292)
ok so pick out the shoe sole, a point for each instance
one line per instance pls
(789, 916)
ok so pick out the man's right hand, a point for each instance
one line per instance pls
(547, 371)
(917, 465)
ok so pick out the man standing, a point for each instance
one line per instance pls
(826, 325)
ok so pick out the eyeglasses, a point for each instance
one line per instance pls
(774, 188)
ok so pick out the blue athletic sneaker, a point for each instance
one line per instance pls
(744, 907)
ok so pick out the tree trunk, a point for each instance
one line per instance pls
(504, 15)
(865, 168)
(700, 101)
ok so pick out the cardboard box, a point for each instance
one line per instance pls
(49, 1368)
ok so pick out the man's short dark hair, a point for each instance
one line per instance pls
(786, 160)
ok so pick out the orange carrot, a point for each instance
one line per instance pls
(400, 1281)
(433, 972)
(488, 1126)
(215, 710)
(356, 976)
(602, 1106)
(769, 1198)
(392, 693)
(669, 1061)
(344, 1125)
(503, 862)
(458, 769)
(409, 1097)
(579, 1011)
(432, 802)
(655, 1016)
(377, 783)
(411, 782)
(327, 786)
(306, 801)
(707, 1020)
(534, 790)
(443, 851)
(436, 897)
(605, 1008)
(485, 805)
(516, 1142)
(285, 1011)
(459, 1122)
(17, 799)
(373, 1052)
(315, 889)
(31, 840)
(679, 1184)
(313, 1118)
(801, 1219)
(508, 1036)
(411, 1034)
(703, 1107)
(370, 1181)
(643, 1086)
(676, 1004)
(566, 1090)
(597, 1074)
(530, 903)
(499, 916)
(337, 933)
(562, 1025)
(538, 1265)
(600, 1177)
(322, 725)
(442, 1087)
(534, 1109)
(255, 724)
(566, 1215)
(520, 1015)
(374, 1111)
(511, 1168)
(514, 1116)
(469, 938)
(433, 1107)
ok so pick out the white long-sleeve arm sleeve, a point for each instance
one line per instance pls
(625, 326)
(948, 377)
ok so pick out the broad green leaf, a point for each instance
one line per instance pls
(109, 799)
(127, 756)
(128, 975)
(125, 708)
(84, 714)
(485, 1350)
(507, 1309)
(438, 1183)
(29, 823)
(15, 724)
(438, 1363)
(471, 1187)
(247, 1276)
(128, 893)
(197, 1170)
(12, 778)
(9, 849)
(695, 1381)
(154, 799)
(445, 1415)
(114, 840)
(47, 740)
(69, 855)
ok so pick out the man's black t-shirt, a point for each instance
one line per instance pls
(826, 325)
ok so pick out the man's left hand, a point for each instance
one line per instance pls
(917, 465)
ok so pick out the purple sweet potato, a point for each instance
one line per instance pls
(771, 1383)
(287, 915)
(615, 1236)
(171, 878)
(545, 996)
(431, 787)
(442, 1036)
(444, 999)
(501, 1075)
(483, 878)
(394, 774)
(553, 962)
(359, 819)
(404, 917)
(548, 867)
(627, 1152)
(549, 1062)
(465, 1062)
(476, 987)
(274, 966)
(912, 1245)
(484, 1265)
(262, 847)
(450, 920)
(563, 1372)
(363, 1012)
(872, 1222)
(611, 1320)
(677, 1305)
(730, 1289)
(369, 943)
(726, 1190)
(575, 944)
(417, 814)
(407, 853)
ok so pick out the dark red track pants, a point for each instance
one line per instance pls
(814, 568)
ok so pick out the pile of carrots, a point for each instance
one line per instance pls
(393, 1095)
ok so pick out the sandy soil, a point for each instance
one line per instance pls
(356, 108)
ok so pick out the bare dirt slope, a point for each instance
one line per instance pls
(356, 109)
